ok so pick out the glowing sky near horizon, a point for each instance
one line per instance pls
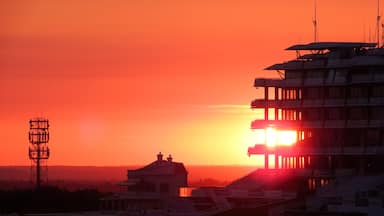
(122, 80)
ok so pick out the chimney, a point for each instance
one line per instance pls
(159, 157)
(169, 158)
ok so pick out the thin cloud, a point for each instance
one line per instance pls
(225, 108)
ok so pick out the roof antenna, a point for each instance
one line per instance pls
(314, 21)
(369, 34)
(378, 23)
(382, 34)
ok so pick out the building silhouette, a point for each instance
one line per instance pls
(150, 187)
(332, 94)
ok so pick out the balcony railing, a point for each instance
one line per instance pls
(261, 103)
(314, 82)
(336, 81)
(376, 100)
(298, 124)
(357, 123)
(285, 124)
(261, 82)
(334, 124)
(313, 103)
(334, 102)
(316, 151)
(357, 101)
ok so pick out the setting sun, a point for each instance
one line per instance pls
(274, 137)
(271, 137)
(286, 138)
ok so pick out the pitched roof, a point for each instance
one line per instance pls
(159, 167)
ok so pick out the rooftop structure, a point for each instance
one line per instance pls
(161, 176)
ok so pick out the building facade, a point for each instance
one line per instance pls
(332, 96)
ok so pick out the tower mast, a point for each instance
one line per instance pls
(314, 21)
(382, 34)
(378, 23)
(38, 150)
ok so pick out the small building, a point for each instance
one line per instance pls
(149, 187)
(164, 177)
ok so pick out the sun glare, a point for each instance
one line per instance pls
(273, 137)
(270, 137)
(287, 138)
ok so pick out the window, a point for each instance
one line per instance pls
(336, 92)
(340, 73)
(290, 114)
(334, 114)
(290, 94)
(315, 74)
(376, 113)
(271, 93)
(378, 91)
(361, 199)
(164, 188)
(358, 92)
(358, 114)
(293, 74)
(373, 136)
(313, 114)
(377, 72)
(359, 75)
(313, 93)
(271, 114)
(300, 94)
(260, 93)
(353, 138)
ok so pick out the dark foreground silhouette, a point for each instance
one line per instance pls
(49, 199)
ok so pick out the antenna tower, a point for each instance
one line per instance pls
(314, 21)
(382, 34)
(38, 145)
(378, 23)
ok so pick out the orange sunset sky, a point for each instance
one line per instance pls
(122, 80)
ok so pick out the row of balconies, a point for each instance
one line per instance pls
(315, 151)
(300, 124)
(373, 101)
(309, 172)
(337, 81)
(329, 63)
